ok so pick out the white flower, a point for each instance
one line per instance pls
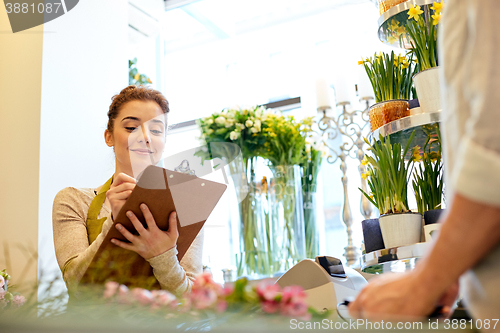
(230, 114)
(234, 135)
(257, 123)
(209, 121)
(240, 127)
(254, 130)
(229, 123)
(209, 131)
(248, 123)
(220, 120)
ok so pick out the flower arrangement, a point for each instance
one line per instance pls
(423, 34)
(207, 296)
(240, 126)
(280, 140)
(134, 77)
(390, 75)
(8, 299)
(428, 175)
(387, 175)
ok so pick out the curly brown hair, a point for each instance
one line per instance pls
(133, 93)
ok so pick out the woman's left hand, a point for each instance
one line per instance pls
(152, 241)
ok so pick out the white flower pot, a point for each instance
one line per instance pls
(400, 229)
(428, 90)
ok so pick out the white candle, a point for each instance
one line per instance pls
(322, 94)
(365, 88)
(343, 89)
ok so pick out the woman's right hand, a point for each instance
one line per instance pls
(119, 192)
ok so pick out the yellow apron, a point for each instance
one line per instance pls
(94, 225)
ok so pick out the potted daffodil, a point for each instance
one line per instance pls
(391, 79)
(387, 175)
(422, 27)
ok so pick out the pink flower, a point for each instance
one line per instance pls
(163, 298)
(270, 306)
(143, 296)
(228, 290)
(110, 289)
(293, 294)
(123, 295)
(203, 298)
(18, 300)
(2, 281)
(203, 279)
(221, 306)
(2, 294)
(295, 309)
(268, 290)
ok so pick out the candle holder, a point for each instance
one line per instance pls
(352, 126)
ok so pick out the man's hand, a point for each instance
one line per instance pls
(400, 297)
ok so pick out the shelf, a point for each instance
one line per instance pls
(424, 125)
(389, 34)
(398, 259)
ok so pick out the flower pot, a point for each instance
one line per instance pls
(372, 235)
(432, 216)
(428, 90)
(384, 112)
(431, 231)
(385, 5)
(400, 229)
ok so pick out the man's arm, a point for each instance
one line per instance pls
(470, 231)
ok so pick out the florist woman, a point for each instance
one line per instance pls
(137, 123)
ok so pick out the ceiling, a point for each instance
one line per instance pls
(189, 23)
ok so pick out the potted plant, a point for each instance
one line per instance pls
(391, 78)
(387, 175)
(422, 29)
(428, 180)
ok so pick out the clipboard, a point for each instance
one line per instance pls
(163, 191)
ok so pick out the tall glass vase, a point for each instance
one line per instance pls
(286, 217)
(252, 247)
(311, 224)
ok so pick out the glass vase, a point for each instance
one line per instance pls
(253, 243)
(311, 225)
(286, 217)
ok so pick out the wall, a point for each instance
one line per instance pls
(84, 65)
(20, 94)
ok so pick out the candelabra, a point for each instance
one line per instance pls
(351, 126)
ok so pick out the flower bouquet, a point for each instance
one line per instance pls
(391, 78)
(284, 150)
(8, 299)
(243, 127)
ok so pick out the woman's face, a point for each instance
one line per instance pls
(138, 137)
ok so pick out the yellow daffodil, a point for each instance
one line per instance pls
(137, 76)
(405, 63)
(437, 7)
(371, 196)
(415, 12)
(364, 161)
(393, 25)
(364, 175)
(361, 62)
(434, 156)
(436, 18)
(400, 31)
(391, 40)
(149, 80)
(416, 154)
